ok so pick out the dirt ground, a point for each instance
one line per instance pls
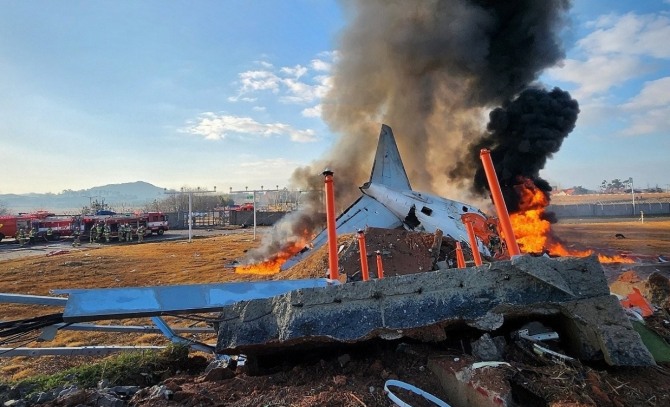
(346, 376)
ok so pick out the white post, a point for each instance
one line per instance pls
(254, 214)
(632, 191)
(190, 215)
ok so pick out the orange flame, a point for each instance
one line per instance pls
(273, 264)
(533, 232)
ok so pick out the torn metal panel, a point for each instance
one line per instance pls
(147, 329)
(110, 303)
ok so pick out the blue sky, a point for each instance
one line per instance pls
(227, 93)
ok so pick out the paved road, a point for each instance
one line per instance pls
(9, 248)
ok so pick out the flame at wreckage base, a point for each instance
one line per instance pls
(272, 265)
(531, 229)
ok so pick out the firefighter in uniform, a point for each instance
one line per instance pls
(98, 230)
(92, 234)
(31, 236)
(75, 232)
(129, 232)
(49, 233)
(107, 231)
(21, 237)
(140, 234)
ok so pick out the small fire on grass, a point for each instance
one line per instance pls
(533, 231)
(273, 264)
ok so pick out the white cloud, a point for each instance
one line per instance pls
(217, 127)
(295, 71)
(649, 109)
(293, 84)
(630, 34)
(598, 73)
(314, 111)
(264, 64)
(258, 108)
(320, 65)
(241, 98)
(259, 80)
(616, 52)
(298, 92)
(653, 94)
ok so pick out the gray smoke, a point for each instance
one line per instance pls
(430, 69)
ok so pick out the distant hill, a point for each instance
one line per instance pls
(120, 197)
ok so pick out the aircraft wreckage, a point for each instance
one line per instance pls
(258, 318)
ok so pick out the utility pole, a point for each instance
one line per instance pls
(253, 191)
(190, 192)
(632, 191)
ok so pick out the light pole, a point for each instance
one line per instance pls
(632, 192)
(190, 193)
(246, 191)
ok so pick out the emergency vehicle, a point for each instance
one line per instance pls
(64, 225)
(61, 225)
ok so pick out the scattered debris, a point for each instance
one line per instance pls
(413, 389)
(57, 253)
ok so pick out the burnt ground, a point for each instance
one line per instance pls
(342, 376)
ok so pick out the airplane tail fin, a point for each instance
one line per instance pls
(388, 168)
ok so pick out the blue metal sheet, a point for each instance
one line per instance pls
(111, 303)
(31, 299)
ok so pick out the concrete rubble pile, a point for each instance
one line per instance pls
(571, 293)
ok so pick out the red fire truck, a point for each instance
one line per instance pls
(64, 225)
(41, 222)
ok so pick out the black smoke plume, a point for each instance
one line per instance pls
(522, 135)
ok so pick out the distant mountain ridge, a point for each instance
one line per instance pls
(127, 195)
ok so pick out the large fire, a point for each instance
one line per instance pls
(273, 264)
(533, 231)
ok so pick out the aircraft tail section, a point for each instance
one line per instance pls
(388, 168)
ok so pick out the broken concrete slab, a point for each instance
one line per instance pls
(427, 305)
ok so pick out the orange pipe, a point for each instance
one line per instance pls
(499, 202)
(364, 255)
(473, 243)
(331, 226)
(380, 268)
(460, 260)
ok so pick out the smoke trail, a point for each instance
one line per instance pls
(430, 70)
